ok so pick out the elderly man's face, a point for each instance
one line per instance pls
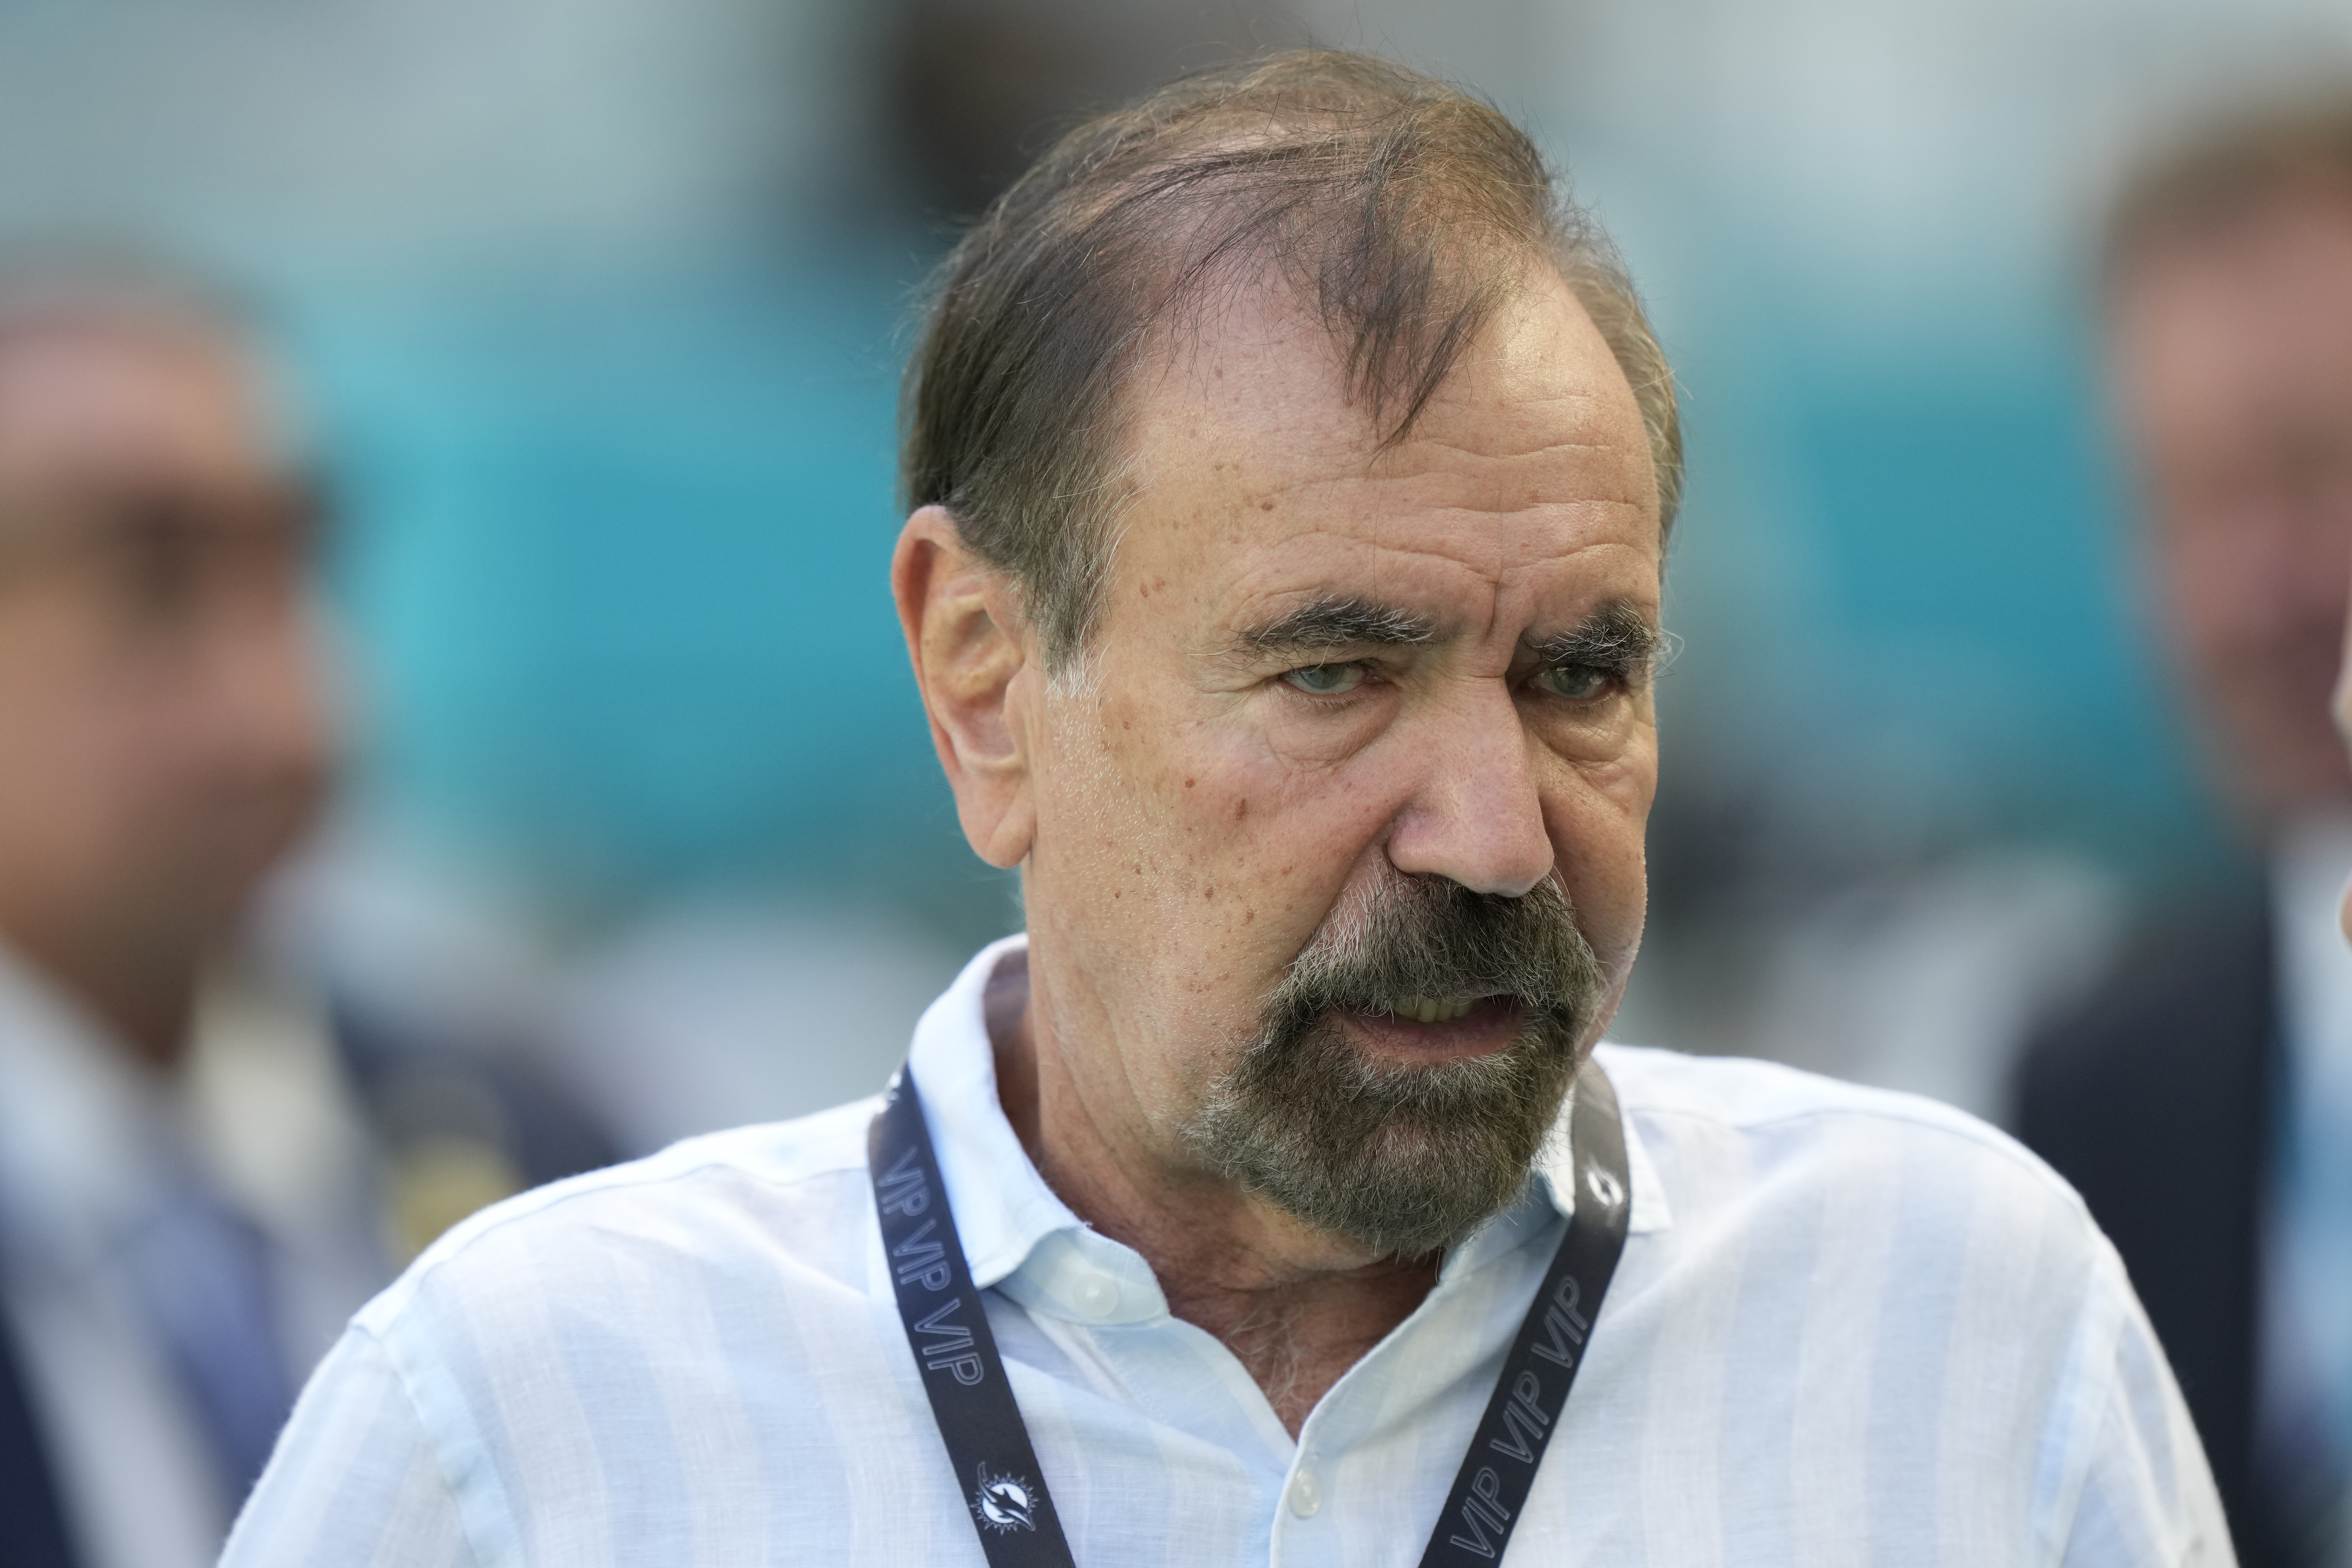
(1332, 688)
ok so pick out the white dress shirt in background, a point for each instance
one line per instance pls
(1850, 1327)
(110, 1198)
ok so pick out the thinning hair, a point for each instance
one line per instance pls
(2226, 168)
(1402, 211)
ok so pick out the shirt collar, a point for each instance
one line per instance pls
(1018, 1234)
(1002, 1207)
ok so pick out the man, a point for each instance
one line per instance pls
(190, 1204)
(1290, 474)
(166, 741)
(2199, 1100)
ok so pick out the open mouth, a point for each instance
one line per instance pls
(1429, 1010)
(1444, 1009)
(1424, 1027)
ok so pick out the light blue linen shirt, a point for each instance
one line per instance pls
(1850, 1327)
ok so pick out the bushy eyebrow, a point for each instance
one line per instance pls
(1616, 637)
(1334, 622)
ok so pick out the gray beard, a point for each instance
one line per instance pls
(1406, 1161)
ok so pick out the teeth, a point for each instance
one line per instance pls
(1429, 1010)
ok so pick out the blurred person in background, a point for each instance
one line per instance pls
(166, 739)
(193, 1197)
(2201, 1098)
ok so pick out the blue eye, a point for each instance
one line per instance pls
(1576, 682)
(1326, 679)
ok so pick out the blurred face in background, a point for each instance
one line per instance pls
(2231, 359)
(163, 739)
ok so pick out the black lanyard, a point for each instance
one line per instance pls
(988, 1443)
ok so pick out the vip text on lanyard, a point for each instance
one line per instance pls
(988, 1443)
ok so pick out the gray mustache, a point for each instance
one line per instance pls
(1429, 937)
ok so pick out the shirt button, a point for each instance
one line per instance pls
(1306, 1496)
(1097, 1298)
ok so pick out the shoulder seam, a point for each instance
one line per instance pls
(445, 1462)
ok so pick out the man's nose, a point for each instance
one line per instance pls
(265, 675)
(1476, 816)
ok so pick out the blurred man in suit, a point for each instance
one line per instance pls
(205, 1169)
(166, 742)
(2202, 1100)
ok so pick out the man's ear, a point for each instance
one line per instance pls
(968, 642)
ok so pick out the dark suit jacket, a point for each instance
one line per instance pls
(2155, 1100)
(537, 1127)
(32, 1515)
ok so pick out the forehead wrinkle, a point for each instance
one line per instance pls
(1489, 454)
(1354, 541)
(1585, 423)
(1567, 462)
(1492, 495)
(1498, 490)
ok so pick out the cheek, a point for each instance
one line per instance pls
(1241, 868)
(1264, 880)
(1241, 854)
(1135, 808)
(1597, 824)
(91, 807)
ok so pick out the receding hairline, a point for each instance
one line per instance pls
(1405, 210)
(1189, 336)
